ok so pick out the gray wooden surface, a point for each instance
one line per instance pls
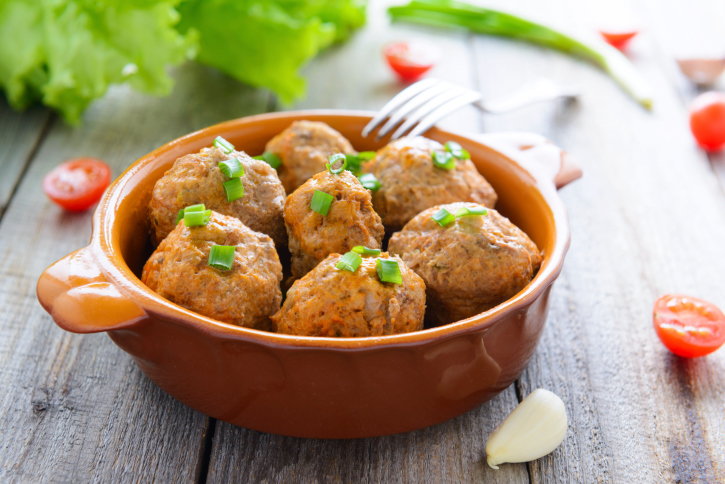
(647, 218)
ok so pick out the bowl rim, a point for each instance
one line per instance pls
(107, 253)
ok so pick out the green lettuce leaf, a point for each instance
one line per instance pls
(263, 42)
(67, 52)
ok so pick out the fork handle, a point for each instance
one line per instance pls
(539, 156)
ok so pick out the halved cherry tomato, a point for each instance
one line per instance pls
(707, 120)
(688, 326)
(410, 60)
(77, 184)
(618, 39)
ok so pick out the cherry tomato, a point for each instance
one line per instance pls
(77, 184)
(707, 120)
(688, 326)
(410, 60)
(618, 39)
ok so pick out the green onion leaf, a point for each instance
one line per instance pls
(457, 150)
(360, 249)
(443, 217)
(196, 219)
(354, 164)
(272, 160)
(234, 189)
(443, 160)
(388, 271)
(471, 212)
(223, 145)
(191, 208)
(232, 168)
(334, 159)
(321, 202)
(366, 155)
(260, 157)
(370, 182)
(222, 257)
(349, 262)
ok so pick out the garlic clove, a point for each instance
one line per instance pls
(535, 428)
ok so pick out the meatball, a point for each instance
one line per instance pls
(410, 183)
(246, 295)
(469, 266)
(334, 302)
(196, 178)
(304, 148)
(350, 221)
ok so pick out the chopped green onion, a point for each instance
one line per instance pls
(443, 217)
(349, 262)
(457, 150)
(321, 202)
(234, 189)
(354, 162)
(360, 249)
(222, 257)
(191, 208)
(223, 145)
(232, 168)
(443, 160)
(334, 159)
(195, 219)
(272, 160)
(471, 212)
(370, 182)
(388, 271)
(366, 155)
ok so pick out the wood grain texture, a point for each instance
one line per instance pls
(450, 452)
(76, 408)
(647, 219)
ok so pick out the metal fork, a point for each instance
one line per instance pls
(426, 102)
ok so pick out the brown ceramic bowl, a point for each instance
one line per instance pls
(306, 386)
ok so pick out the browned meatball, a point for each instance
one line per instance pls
(196, 178)
(304, 148)
(333, 302)
(410, 183)
(469, 266)
(247, 295)
(350, 221)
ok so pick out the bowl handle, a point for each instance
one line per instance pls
(537, 154)
(80, 299)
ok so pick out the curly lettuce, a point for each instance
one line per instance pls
(66, 53)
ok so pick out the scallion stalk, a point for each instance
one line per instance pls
(334, 159)
(223, 145)
(232, 168)
(349, 262)
(222, 257)
(321, 202)
(234, 189)
(443, 217)
(471, 211)
(361, 249)
(388, 271)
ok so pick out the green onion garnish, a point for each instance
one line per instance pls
(443, 160)
(234, 189)
(321, 202)
(388, 271)
(222, 257)
(195, 219)
(370, 182)
(191, 208)
(457, 150)
(223, 145)
(334, 159)
(232, 168)
(354, 162)
(349, 262)
(443, 217)
(272, 160)
(366, 155)
(470, 212)
(360, 249)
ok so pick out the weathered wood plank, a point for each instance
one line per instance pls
(76, 408)
(646, 219)
(450, 452)
(19, 135)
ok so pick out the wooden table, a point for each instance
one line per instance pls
(647, 218)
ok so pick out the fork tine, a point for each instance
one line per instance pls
(443, 111)
(410, 106)
(428, 107)
(398, 100)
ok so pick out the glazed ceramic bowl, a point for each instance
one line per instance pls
(307, 386)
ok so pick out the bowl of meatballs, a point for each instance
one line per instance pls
(283, 273)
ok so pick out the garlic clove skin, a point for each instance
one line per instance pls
(535, 428)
